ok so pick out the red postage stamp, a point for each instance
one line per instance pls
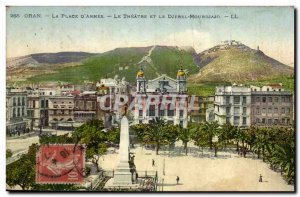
(60, 164)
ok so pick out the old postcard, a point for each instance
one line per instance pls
(150, 99)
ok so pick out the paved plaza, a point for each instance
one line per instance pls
(197, 172)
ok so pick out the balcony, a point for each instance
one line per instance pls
(221, 103)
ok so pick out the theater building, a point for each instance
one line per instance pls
(162, 97)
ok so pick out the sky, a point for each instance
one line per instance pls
(270, 28)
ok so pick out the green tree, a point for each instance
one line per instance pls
(185, 136)
(22, 171)
(55, 139)
(212, 128)
(157, 133)
(262, 142)
(8, 153)
(170, 134)
(284, 157)
(95, 139)
(113, 136)
(226, 133)
(200, 136)
(140, 131)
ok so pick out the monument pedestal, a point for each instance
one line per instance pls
(123, 175)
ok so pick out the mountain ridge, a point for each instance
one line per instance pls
(226, 62)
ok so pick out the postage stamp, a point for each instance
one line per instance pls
(60, 164)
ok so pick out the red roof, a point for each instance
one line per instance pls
(76, 92)
(275, 85)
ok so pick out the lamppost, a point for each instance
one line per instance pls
(56, 126)
(215, 140)
(164, 167)
(91, 180)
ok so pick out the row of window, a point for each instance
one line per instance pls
(272, 99)
(84, 115)
(169, 122)
(236, 99)
(62, 119)
(18, 112)
(18, 101)
(62, 106)
(62, 112)
(236, 120)
(274, 110)
(86, 104)
(151, 113)
(272, 121)
(236, 110)
(70, 102)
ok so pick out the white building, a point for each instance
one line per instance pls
(113, 86)
(162, 97)
(16, 111)
(233, 105)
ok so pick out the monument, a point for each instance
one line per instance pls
(125, 173)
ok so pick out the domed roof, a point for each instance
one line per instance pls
(180, 73)
(140, 73)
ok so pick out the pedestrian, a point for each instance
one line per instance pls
(153, 162)
(177, 179)
(260, 178)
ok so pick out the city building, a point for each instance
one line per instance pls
(16, 111)
(163, 97)
(113, 86)
(38, 104)
(111, 90)
(85, 107)
(271, 105)
(199, 111)
(233, 105)
(61, 112)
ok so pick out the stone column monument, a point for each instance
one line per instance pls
(123, 174)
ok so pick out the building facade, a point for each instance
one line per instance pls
(200, 108)
(61, 114)
(163, 97)
(271, 105)
(233, 105)
(16, 111)
(85, 107)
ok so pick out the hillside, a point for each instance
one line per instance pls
(19, 69)
(125, 62)
(237, 63)
(229, 62)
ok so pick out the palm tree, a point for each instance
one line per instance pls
(226, 133)
(284, 157)
(185, 136)
(236, 133)
(157, 133)
(171, 134)
(262, 142)
(212, 129)
(200, 136)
